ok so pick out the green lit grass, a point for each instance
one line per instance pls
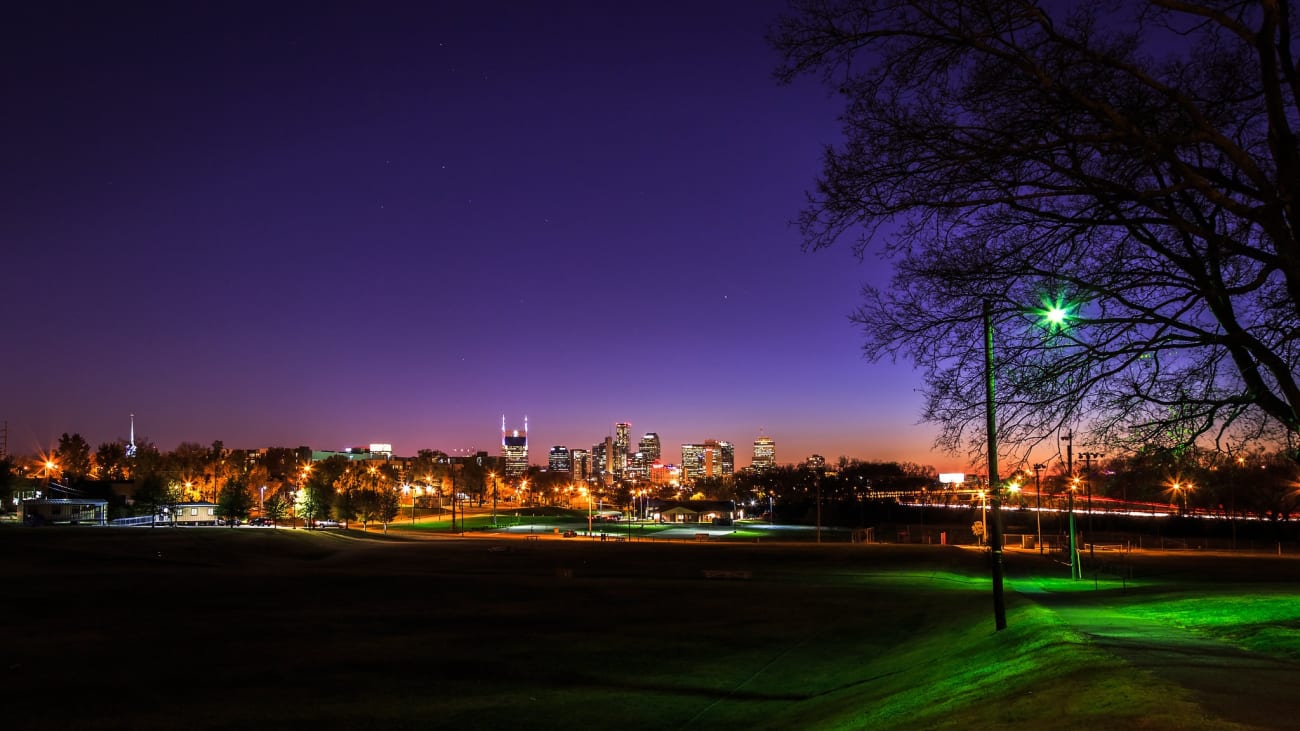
(1265, 620)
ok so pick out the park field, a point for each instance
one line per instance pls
(260, 628)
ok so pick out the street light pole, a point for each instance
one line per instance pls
(1076, 571)
(990, 412)
(1088, 457)
(1038, 489)
(819, 509)
(984, 516)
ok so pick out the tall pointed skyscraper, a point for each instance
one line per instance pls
(514, 449)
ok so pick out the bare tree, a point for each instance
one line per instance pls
(1134, 163)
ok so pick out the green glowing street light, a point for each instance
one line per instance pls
(1056, 313)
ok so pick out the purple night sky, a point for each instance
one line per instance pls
(332, 224)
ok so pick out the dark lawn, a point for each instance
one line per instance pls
(259, 628)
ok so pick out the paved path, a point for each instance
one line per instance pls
(1230, 683)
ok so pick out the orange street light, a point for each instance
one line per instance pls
(1179, 488)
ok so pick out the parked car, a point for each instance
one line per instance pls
(327, 524)
(262, 522)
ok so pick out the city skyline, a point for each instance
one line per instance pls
(515, 445)
(246, 224)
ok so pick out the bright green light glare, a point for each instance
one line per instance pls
(1055, 313)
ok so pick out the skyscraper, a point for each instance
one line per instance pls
(647, 453)
(713, 458)
(764, 454)
(602, 458)
(694, 465)
(560, 460)
(649, 446)
(727, 456)
(581, 460)
(514, 449)
(622, 445)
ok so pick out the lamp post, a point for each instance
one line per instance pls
(1054, 316)
(261, 502)
(1232, 500)
(1038, 498)
(588, 494)
(991, 427)
(1180, 490)
(1076, 567)
(1076, 571)
(493, 475)
(984, 517)
(818, 481)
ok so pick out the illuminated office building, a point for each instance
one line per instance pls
(764, 454)
(602, 458)
(713, 458)
(649, 447)
(647, 453)
(622, 445)
(560, 460)
(581, 461)
(727, 452)
(514, 449)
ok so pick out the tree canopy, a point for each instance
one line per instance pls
(73, 456)
(1133, 164)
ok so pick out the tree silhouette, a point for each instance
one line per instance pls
(73, 456)
(1134, 163)
(234, 501)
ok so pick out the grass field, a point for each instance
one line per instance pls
(255, 628)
